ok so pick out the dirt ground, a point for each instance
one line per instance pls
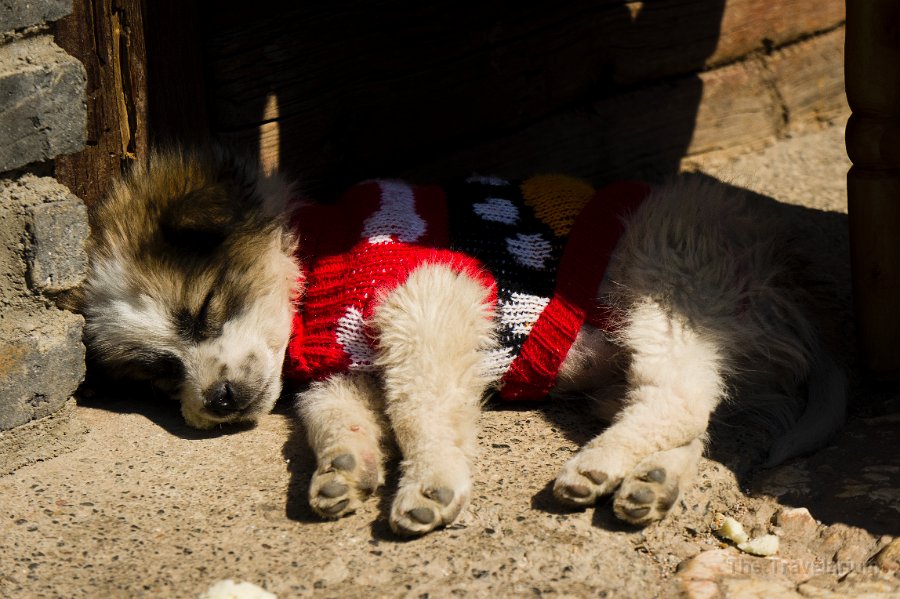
(146, 507)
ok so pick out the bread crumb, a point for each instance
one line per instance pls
(729, 529)
(763, 546)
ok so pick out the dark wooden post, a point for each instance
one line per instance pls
(145, 84)
(107, 36)
(873, 183)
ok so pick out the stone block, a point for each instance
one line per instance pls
(16, 14)
(57, 232)
(43, 111)
(43, 230)
(13, 288)
(41, 364)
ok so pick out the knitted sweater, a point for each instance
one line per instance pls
(541, 248)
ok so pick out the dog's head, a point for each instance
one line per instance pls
(191, 283)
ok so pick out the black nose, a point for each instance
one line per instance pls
(220, 399)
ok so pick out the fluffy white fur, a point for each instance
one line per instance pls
(709, 284)
(713, 312)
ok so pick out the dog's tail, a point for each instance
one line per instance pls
(826, 406)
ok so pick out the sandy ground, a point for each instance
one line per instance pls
(146, 507)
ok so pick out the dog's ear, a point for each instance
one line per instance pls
(200, 219)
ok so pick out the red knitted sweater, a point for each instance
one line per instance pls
(541, 249)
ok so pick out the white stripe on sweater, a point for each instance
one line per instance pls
(351, 336)
(396, 217)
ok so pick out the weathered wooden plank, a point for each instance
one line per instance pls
(368, 87)
(641, 134)
(107, 37)
(739, 106)
(749, 25)
(644, 132)
(810, 78)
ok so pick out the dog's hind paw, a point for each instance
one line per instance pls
(650, 490)
(341, 484)
(646, 496)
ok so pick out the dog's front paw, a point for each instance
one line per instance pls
(646, 495)
(341, 484)
(426, 501)
(591, 474)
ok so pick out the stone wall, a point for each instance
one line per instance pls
(43, 228)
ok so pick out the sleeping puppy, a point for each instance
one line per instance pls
(402, 307)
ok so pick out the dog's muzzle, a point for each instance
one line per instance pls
(225, 399)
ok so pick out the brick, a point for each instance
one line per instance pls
(41, 364)
(13, 289)
(56, 257)
(43, 230)
(16, 14)
(42, 102)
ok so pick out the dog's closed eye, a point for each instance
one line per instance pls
(202, 323)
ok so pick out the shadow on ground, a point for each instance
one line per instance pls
(140, 398)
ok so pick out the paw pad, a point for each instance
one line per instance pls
(641, 495)
(336, 509)
(424, 505)
(333, 489)
(636, 513)
(422, 515)
(657, 475)
(442, 495)
(340, 485)
(597, 477)
(576, 490)
(344, 462)
(646, 497)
